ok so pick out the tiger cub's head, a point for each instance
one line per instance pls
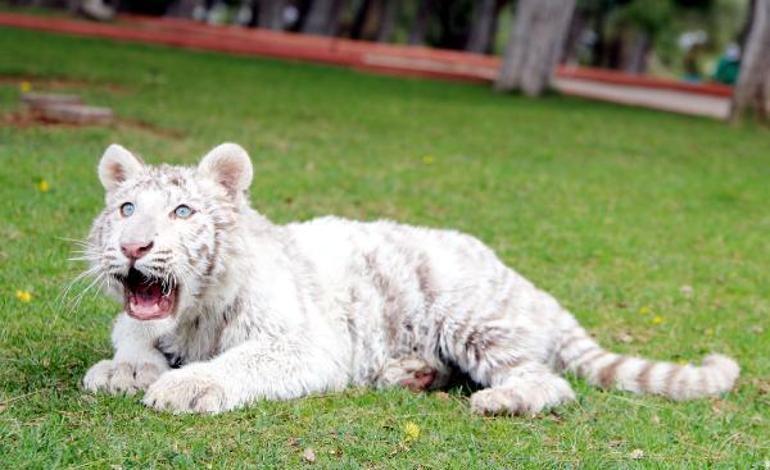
(160, 241)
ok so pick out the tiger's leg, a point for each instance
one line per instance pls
(136, 363)
(506, 357)
(524, 389)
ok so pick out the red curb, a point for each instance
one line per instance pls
(388, 59)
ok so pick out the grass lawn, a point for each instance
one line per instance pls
(652, 228)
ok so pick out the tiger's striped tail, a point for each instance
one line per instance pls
(581, 355)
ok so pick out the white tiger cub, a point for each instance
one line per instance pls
(223, 308)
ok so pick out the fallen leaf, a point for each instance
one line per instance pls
(88, 398)
(400, 447)
(636, 454)
(309, 455)
(720, 406)
(655, 419)
(763, 386)
(686, 290)
(554, 416)
(624, 337)
(615, 442)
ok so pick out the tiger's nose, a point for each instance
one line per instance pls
(136, 250)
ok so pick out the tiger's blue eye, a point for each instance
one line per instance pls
(127, 209)
(183, 211)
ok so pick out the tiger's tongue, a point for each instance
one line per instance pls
(147, 302)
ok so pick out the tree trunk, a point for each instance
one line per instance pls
(535, 45)
(270, 14)
(303, 9)
(638, 49)
(495, 26)
(481, 29)
(599, 47)
(359, 20)
(452, 19)
(752, 92)
(323, 17)
(743, 34)
(420, 25)
(387, 26)
(177, 9)
(577, 26)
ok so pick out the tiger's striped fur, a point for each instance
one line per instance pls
(270, 311)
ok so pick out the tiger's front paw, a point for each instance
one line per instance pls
(121, 377)
(185, 391)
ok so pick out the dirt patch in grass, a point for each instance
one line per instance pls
(150, 128)
(25, 119)
(62, 83)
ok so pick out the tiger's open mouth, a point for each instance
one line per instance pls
(147, 298)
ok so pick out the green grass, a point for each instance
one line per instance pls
(613, 210)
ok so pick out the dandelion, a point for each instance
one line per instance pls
(411, 431)
(645, 310)
(428, 159)
(657, 320)
(43, 186)
(25, 86)
(23, 296)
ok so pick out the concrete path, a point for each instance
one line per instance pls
(676, 101)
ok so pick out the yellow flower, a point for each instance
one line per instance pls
(657, 320)
(23, 295)
(428, 159)
(411, 431)
(43, 186)
(25, 87)
(644, 310)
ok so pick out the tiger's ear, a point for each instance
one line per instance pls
(118, 165)
(229, 165)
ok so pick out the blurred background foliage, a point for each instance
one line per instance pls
(662, 37)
